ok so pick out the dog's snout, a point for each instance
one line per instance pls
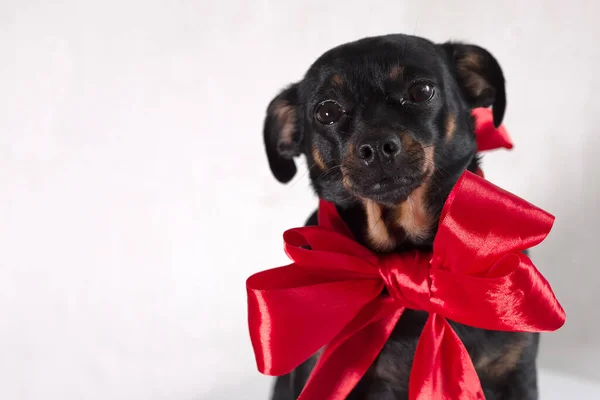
(386, 149)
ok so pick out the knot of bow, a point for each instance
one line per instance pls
(340, 297)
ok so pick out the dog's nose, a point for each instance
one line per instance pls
(385, 148)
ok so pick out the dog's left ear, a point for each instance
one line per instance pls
(479, 76)
(283, 134)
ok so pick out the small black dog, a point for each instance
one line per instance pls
(385, 123)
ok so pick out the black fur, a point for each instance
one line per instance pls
(370, 80)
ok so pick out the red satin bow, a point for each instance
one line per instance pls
(332, 297)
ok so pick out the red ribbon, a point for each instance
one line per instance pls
(331, 296)
(487, 135)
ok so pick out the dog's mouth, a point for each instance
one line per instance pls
(385, 190)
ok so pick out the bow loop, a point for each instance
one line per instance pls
(487, 222)
(294, 305)
(406, 278)
(329, 252)
(512, 297)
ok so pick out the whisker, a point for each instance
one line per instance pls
(303, 175)
(416, 25)
(412, 204)
(323, 175)
(380, 216)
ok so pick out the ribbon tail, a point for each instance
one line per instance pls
(341, 365)
(442, 368)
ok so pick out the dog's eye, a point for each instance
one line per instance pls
(420, 92)
(329, 112)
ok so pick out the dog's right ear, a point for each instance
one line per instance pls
(283, 133)
(480, 77)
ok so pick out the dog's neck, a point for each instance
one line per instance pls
(410, 224)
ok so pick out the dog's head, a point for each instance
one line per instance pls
(385, 123)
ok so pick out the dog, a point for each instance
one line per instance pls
(386, 128)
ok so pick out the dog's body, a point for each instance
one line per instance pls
(386, 126)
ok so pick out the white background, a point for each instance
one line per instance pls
(135, 196)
